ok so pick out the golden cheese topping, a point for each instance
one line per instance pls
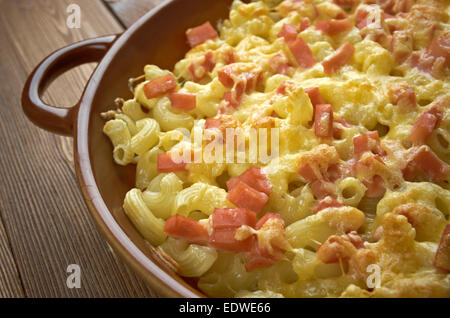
(356, 201)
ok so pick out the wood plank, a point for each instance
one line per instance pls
(128, 11)
(44, 215)
(10, 282)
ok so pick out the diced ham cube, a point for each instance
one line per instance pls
(315, 163)
(440, 48)
(423, 127)
(328, 202)
(225, 218)
(201, 34)
(423, 160)
(375, 187)
(270, 245)
(195, 73)
(402, 96)
(184, 102)
(279, 64)
(323, 121)
(240, 75)
(198, 69)
(222, 122)
(230, 57)
(265, 218)
(302, 53)
(160, 86)
(211, 123)
(428, 121)
(342, 55)
(209, 62)
(244, 196)
(166, 164)
(254, 178)
(442, 258)
(283, 88)
(225, 77)
(181, 227)
(307, 172)
(339, 247)
(314, 95)
(304, 24)
(368, 142)
(323, 188)
(333, 27)
(334, 172)
(436, 58)
(402, 45)
(288, 32)
(224, 240)
(232, 99)
(258, 258)
(361, 18)
(224, 224)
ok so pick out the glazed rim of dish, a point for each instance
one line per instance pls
(100, 212)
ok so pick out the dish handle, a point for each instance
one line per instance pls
(56, 119)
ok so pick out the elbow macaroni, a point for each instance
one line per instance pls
(161, 202)
(401, 227)
(151, 227)
(146, 137)
(119, 134)
(200, 197)
(193, 260)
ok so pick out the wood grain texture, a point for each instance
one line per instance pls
(128, 11)
(46, 225)
(10, 282)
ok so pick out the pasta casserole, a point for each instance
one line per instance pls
(301, 148)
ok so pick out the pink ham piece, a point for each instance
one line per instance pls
(323, 121)
(166, 164)
(333, 27)
(183, 102)
(160, 86)
(181, 227)
(423, 160)
(254, 178)
(342, 55)
(314, 95)
(328, 202)
(201, 34)
(442, 258)
(288, 32)
(244, 196)
(302, 53)
(423, 127)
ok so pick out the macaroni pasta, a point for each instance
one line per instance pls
(357, 94)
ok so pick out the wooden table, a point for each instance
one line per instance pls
(44, 223)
